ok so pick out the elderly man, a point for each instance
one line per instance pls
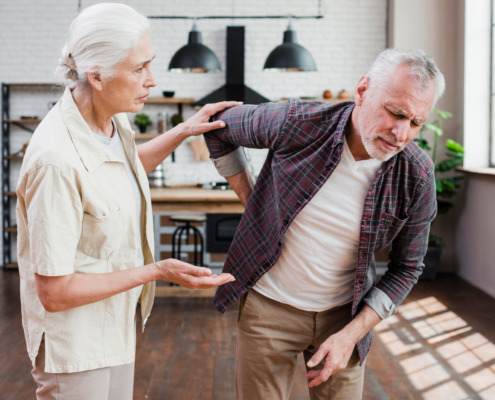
(340, 183)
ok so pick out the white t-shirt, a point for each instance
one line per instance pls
(316, 268)
(114, 145)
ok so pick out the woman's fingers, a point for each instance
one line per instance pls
(191, 276)
(199, 122)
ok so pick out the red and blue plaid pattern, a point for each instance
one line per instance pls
(306, 141)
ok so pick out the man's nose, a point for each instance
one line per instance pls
(401, 130)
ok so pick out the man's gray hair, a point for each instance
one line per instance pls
(100, 38)
(422, 68)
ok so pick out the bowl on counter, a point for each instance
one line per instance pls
(168, 93)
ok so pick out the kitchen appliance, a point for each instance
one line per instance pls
(234, 88)
(220, 230)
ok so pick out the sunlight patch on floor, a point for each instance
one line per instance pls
(457, 363)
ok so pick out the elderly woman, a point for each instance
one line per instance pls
(84, 216)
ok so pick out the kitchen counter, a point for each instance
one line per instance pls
(195, 200)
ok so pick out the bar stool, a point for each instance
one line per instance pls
(184, 230)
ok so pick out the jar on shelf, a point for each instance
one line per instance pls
(160, 123)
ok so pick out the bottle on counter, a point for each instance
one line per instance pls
(161, 124)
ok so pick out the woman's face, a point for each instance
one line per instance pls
(128, 90)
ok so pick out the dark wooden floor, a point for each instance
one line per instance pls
(440, 345)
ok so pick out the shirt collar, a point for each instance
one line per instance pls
(344, 121)
(91, 153)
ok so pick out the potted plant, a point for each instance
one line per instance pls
(142, 121)
(447, 184)
(176, 119)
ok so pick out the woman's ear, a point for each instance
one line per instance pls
(361, 90)
(95, 80)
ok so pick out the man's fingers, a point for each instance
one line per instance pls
(318, 376)
(314, 373)
(317, 357)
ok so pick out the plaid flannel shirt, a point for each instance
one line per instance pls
(305, 142)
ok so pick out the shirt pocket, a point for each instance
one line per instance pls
(101, 236)
(390, 227)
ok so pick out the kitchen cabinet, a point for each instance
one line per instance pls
(169, 201)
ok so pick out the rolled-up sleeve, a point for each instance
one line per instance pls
(380, 303)
(232, 163)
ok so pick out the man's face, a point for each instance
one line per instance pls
(391, 116)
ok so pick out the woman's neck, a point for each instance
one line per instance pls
(98, 119)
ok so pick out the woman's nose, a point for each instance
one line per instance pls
(151, 80)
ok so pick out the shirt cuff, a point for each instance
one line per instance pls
(232, 163)
(380, 303)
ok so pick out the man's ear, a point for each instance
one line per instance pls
(94, 79)
(361, 90)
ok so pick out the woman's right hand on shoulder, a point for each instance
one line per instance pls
(200, 123)
(190, 276)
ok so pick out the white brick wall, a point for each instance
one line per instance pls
(343, 44)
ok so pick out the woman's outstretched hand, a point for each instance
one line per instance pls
(200, 122)
(190, 276)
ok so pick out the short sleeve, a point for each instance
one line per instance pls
(53, 215)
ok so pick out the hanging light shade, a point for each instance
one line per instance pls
(290, 56)
(194, 56)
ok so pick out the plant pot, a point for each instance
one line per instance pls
(142, 128)
(431, 261)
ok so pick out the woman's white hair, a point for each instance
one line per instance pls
(100, 38)
(422, 68)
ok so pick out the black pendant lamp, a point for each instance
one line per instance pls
(290, 56)
(194, 56)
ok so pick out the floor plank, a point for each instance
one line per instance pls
(439, 345)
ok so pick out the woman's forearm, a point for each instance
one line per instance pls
(153, 152)
(59, 293)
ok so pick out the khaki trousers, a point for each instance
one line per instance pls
(111, 383)
(272, 334)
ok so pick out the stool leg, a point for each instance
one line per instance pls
(198, 237)
(174, 239)
(179, 241)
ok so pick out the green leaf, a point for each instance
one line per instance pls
(436, 129)
(454, 146)
(446, 165)
(442, 114)
(422, 143)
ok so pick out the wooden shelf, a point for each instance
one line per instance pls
(170, 100)
(9, 194)
(23, 121)
(12, 266)
(13, 157)
(40, 84)
(12, 229)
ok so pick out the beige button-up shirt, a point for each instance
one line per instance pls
(76, 214)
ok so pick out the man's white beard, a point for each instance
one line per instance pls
(377, 152)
